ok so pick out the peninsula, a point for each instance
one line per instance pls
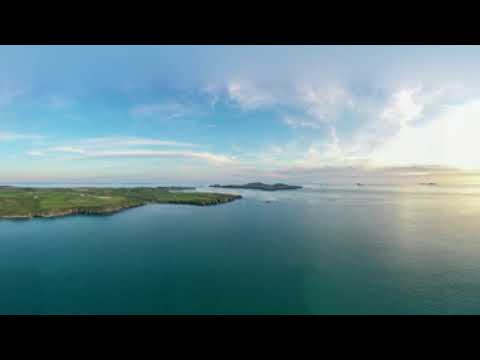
(259, 186)
(26, 202)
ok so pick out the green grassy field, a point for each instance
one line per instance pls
(16, 202)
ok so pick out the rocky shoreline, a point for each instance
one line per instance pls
(205, 203)
(69, 212)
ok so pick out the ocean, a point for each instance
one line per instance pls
(325, 249)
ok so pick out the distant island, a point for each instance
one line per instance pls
(28, 202)
(428, 184)
(259, 186)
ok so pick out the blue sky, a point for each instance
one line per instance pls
(201, 114)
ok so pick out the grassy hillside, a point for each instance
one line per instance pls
(30, 202)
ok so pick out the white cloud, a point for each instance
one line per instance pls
(403, 108)
(415, 132)
(248, 96)
(215, 158)
(312, 106)
(315, 107)
(330, 152)
(66, 149)
(130, 147)
(445, 141)
(114, 142)
(323, 104)
(450, 139)
(35, 153)
(302, 154)
(102, 142)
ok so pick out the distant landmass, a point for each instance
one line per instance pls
(428, 184)
(29, 202)
(175, 188)
(259, 186)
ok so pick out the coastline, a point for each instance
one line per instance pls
(113, 210)
(69, 212)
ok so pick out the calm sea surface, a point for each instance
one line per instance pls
(320, 250)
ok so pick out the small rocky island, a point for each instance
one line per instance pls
(259, 186)
(26, 202)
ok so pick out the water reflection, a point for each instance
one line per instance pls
(330, 249)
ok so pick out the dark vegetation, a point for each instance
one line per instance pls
(259, 186)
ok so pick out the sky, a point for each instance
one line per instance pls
(215, 114)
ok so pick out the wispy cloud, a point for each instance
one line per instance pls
(161, 110)
(323, 104)
(13, 136)
(403, 108)
(215, 158)
(249, 96)
(102, 142)
(113, 142)
(312, 105)
(35, 153)
(413, 134)
(129, 147)
(299, 122)
(66, 149)
(355, 110)
(450, 138)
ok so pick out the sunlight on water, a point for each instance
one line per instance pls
(323, 249)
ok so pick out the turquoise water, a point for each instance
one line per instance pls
(320, 250)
